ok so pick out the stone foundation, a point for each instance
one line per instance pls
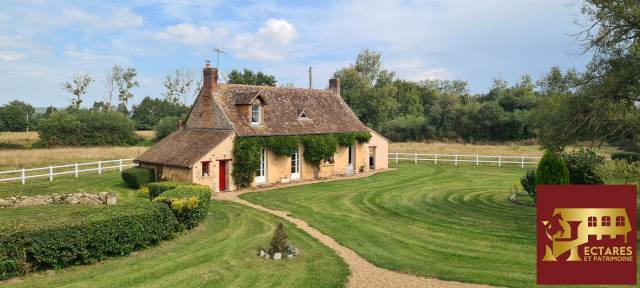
(106, 198)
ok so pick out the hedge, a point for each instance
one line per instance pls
(627, 156)
(189, 203)
(156, 188)
(137, 177)
(84, 236)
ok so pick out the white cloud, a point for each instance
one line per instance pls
(417, 70)
(118, 19)
(269, 43)
(10, 55)
(187, 33)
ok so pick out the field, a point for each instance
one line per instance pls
(509, 149)
(447, 222)
(221, 252)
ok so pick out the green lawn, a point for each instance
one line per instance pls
(448, 222)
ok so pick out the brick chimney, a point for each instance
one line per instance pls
(334, 85)
(209, 79)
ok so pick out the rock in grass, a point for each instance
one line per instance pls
(262, 253)
(277, 256)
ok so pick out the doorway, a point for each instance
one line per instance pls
(352, 157)
(372, 158)
(295, 165)
(222, 175)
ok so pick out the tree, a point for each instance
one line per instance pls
(165, 126)
(15, 115)
(78, 88)
(110, 84)
(248, 77)
(179, 86)
(552, 170)
(149, 112)
(125, 81)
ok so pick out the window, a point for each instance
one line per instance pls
(606, 221)
(205, 168)
(261, 174)
(620, 221)
(592, 221)
(303, 115)
(295, 162)
(256, 113)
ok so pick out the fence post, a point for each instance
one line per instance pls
(522, 162)
(120, 165)
(435, 158)
(50, 173)
(477, 160)
(99, 167)
(415, 158)
(76, 166)
(24, 178)
(456, 161)
(499, 161)
(396, 157)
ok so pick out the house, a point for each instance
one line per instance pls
(201, 150)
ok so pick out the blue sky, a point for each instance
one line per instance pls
(44, 43)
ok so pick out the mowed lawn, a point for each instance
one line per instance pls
(220, 252)
(443, 221)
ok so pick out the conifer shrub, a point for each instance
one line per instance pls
(137, 177)
(552, 170)
(279, 241)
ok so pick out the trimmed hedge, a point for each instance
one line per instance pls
(137, 177)
(81, 237)
(156, 188)
(552, 170)
(627, 156)
(189, 203)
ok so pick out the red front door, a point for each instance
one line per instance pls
(222, 175)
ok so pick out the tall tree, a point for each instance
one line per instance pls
(179, 86)
(78, 88)
(126, 80)
(248, 77)
(110, 84)
(15, 115)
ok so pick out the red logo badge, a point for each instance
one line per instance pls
(586, 234)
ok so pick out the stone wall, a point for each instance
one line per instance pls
(108, 198)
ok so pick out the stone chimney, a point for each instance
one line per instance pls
(209, 79)
(334, 85)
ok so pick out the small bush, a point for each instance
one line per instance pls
(41, 242)
(552, 170)
(627, 156)
(528, 182)
(279, 241)
(137, 177)
(157, 188)
(581, 164)
(189, 203)
(619, 172)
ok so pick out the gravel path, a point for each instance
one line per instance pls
(363, 273)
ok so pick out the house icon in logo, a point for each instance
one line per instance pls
(569, 228)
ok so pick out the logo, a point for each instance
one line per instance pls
(586, 234)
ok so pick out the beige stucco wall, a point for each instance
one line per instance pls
(170, 173)
(224, 151)
(382, 150)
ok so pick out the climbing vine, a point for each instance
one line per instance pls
(246, 150)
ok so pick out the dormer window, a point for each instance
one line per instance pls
(302, 115)
(256, 113)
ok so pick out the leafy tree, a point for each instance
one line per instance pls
(248, 77)
(165, 126)
(582, 165)
(78, 88)
(179, 86)
(149, 112)
(125, 79)
(14, 116)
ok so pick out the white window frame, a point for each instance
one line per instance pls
(295, 165)
(258, 111)
(261, 174)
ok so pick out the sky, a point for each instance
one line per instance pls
(45, 43)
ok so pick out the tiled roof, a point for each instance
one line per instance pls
(184, 147)
(326, 111)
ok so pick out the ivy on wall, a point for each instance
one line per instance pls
(246, 150)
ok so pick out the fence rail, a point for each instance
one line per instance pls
(75, 169)
(457, 158)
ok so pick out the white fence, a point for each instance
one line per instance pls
(521, 161)
(75, 169)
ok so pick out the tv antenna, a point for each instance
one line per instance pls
(218, 51)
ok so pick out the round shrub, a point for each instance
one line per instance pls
(81, 236)
(157, 188)
(189, 203)
(627, 156)
(137, 177)
(582, 164)
(552, 170)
